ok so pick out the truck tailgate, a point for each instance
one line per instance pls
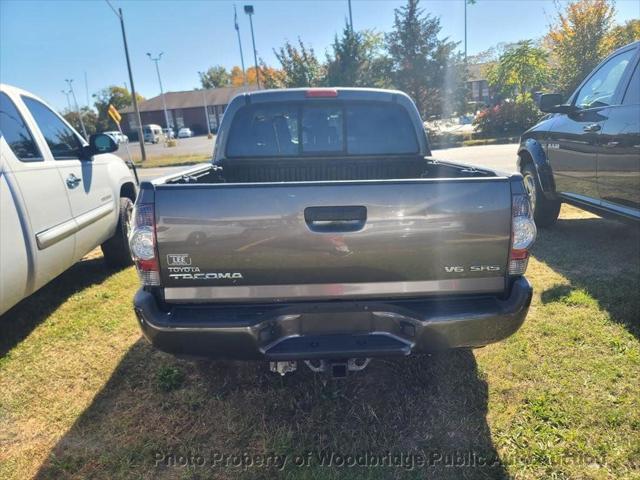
(322, 240)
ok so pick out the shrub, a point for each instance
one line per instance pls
(510, 116)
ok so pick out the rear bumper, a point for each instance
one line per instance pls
(329, 330)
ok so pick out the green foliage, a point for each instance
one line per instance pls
(520, 69)
(509, 116)
(345, 66)
(89, 118)
(378, 67)
(569, 296)
(271, 77)
(622, 35)
(170, 378)
(423, 64)
(357, 60)
(114, 95)
(215, 77)
(577, 41)
(300, 65)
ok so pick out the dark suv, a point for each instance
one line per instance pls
(586, 152)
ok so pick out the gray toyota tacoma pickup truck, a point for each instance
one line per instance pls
(324, 232)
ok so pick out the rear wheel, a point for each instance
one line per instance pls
(545, 211)
(116, 249)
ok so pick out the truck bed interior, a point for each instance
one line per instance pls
(313, 169)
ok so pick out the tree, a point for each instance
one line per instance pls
(271, 77)
(89, 117)
(237, 77)
(300, 65)
(519, 69)
(486, 56)
(357, 60)
(252, 77)
(621, 35)
(215, 77)
(576, 41)
(345, 67)
(378, 66)
(423, 63)
(511, 116)
(114, 95)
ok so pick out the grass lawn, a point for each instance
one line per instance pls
(83, 396)
(438, 144)
(173, 160)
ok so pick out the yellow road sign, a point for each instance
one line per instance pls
(114, 114)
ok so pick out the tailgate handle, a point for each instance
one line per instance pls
(335, 219)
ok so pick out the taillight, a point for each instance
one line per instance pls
(321, 93)
(142, 243)
(523, 234)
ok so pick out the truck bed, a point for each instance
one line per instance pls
(311, 169)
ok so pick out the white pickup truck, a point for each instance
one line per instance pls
(59, 196)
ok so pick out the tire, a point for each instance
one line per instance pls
(545, 211)
(116, 249)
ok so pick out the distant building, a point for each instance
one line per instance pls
(477, 82)
(184, 109)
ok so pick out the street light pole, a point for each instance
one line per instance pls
(350, 16)
(235, 21)
(465, 31)
(75, 101)
(466, 2)
(206, 112)
(248, 9)
(118, 13)
(164, 104)
(86, 87)
(66, 94)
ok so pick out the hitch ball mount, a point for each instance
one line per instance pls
(338, 368)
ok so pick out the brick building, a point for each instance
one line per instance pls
(184, 109)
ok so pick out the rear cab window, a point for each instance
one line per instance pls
(313, 129)
(16, 133)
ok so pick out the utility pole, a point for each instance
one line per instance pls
(248, 9)
(75, 101)
(66, 94)
(465, 31)
(86, 87)
(118, 13)
(350, 17)
(206, 112)
(466, 2)
(164, 104)
(235, 21)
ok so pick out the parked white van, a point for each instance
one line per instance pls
(152, 133)
(61, 197)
